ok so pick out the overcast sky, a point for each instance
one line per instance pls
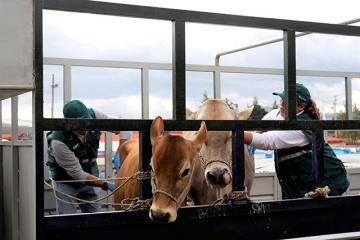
(117, 91)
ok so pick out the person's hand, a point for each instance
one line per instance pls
(116, 162)
(108, 186)
(251, 149)
(111, 185)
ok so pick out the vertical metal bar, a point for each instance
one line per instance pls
(145, 93)
(14, 170)
(238, 163)
(38, 116)
(108, 162)
(290, 74)
(14, 119)
(1, 126)
(217, 83)
(2, 224)
(67, 83)
(144, 162)
(14, 191)
(179, 100)
(348, 97)
(318, 157)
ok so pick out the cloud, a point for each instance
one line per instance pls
(117, 91)
(129, 107)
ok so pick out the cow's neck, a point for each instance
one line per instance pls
(200, 191)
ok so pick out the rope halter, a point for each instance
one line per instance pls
(171, 197)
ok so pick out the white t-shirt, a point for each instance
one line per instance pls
(278, 139)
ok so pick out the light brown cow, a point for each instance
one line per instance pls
(214, 162)
(172, 166)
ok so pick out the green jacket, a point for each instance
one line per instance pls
(85, 152)
(294, 169)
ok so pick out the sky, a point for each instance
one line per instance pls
(117, 91)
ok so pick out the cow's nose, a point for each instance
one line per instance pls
(216, 176)
(219, 176)
(160, 216)
(211, 176)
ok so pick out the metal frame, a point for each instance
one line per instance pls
(145, 67)
(269, 219)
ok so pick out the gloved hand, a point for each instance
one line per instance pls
(251, 149)
(111, 185)
(116, 162)
(108, 186)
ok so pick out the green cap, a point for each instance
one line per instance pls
(76, 109)
(302, 93)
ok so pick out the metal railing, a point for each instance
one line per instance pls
(281, 215)
(216, 71)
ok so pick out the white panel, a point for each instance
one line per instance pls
(10, 180)
(263, 188)
(354, 178)
(16, 47)
(27, 192)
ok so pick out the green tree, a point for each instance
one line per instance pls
(275, 105)
(234, 106)
(205, 96)
(351, 135)
(258, 111)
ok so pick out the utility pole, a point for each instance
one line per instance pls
(334, 107)
(53, 86)
(334, 117)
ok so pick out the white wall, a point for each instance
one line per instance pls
(16, 47)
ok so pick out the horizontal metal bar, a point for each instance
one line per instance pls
(84, 6)
(218, 55)
(193, 67)
(192, 125)
(105, 63)
(17, 87)
(275, 220)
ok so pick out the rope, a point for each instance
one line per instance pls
(202, 160)
(139, 175)
(135, 203)
(234, 197)
(168, 195)
(204, 163)
(318, 193)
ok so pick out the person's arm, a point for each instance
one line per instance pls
(275, 139)
(272, 115)
(66, 159)
(124, 135)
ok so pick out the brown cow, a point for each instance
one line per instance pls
(214, 163)
(172, 166)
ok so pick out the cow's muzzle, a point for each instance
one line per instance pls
(218, 176)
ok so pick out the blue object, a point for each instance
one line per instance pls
(251, 149)
(111, 185)
(116, 162)
(347, 151)
(268, 155)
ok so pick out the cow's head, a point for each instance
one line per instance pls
(172, 166)
(215, 154)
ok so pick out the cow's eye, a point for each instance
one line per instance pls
(185, 173)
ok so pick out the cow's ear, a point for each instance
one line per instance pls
(200, 137)
(190, 115)
(245, 114)
(156, 130)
